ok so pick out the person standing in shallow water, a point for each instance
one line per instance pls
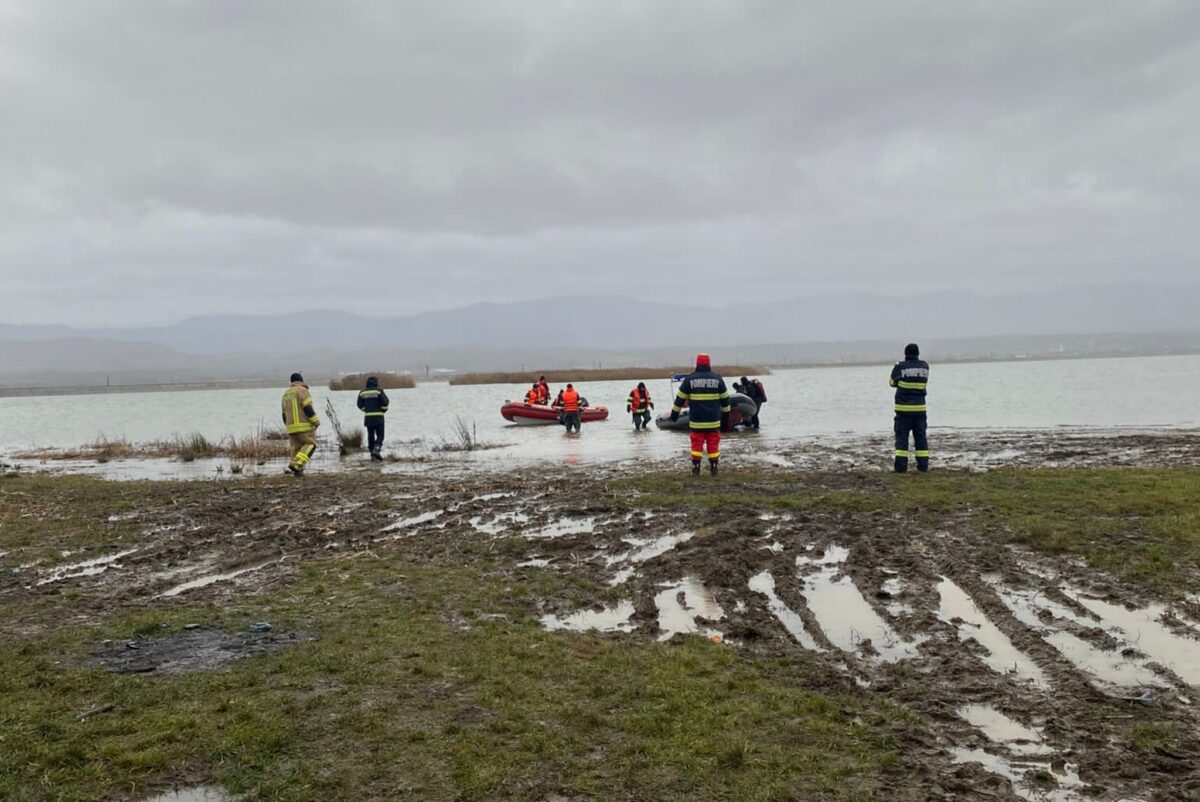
(571, 408)
(707, 398)
(639, 404)
(301, 422)
(373, 402)
(910, 378)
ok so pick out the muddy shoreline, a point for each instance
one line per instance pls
(1028, 671)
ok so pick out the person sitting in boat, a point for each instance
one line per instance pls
(543, 390)
(534, 395)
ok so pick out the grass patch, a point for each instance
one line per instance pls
(599, 374)
(1143, 526)
(738, 491)
(464, 437)
(397, 697)
(387, 381)
(259, 447)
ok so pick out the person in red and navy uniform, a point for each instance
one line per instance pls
(707, 400)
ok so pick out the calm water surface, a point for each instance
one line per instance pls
(806, 403)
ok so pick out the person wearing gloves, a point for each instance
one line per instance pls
(301, 422)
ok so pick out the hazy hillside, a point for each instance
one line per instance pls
(600, 323)
(578, 331)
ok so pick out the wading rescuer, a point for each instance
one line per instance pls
(707, 399)
(571, 407)
(639, 404)
(301, 422)
(910, 378)
(373, 402)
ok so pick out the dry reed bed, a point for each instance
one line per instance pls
(257, 447)
(388, 381)
(600, 374)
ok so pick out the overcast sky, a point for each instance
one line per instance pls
(165, 158)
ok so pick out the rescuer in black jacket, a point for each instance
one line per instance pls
(373, 402)
(910, 378)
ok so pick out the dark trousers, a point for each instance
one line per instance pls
(913, 423)
(375, 436)
(641, 419)
(571, 420)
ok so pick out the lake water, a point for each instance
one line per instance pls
(804, 403)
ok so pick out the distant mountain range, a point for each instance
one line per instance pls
(586, 330)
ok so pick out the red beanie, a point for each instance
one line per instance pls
(702, 361)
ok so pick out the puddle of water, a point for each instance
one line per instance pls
(1015, 770)
(764, 583)
(1002, 656)
(416, 520)
(621, 577)
(534, 563)
(833, 555)
(204, 793)
(1145, 631)
(211, 579)
(491, 497)
(565, 526)
(610, 619)
(92, 567)
(1001, 729)
(679, 618)
(501, 523)
(648, 549)
(846, 618)
(1107, 666)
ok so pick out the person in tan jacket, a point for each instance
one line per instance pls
(301, 422)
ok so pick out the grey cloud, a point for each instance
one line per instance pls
(159, 159)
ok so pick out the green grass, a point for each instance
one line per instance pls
(435, 681)
(395, 697)
(1141, 525)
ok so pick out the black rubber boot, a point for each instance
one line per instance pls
(695, 467)
(923, 464)
(712, 467)
(901, 465)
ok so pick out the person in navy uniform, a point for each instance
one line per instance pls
(373, 402)
(910, 379)
(707, 399)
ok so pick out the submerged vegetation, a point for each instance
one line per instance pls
(349, 439)
(464, 437)
(388, 381)
(256, 447)
(600, 374)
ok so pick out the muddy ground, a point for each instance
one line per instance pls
(1030, 673)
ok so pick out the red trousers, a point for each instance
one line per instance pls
(706, 437)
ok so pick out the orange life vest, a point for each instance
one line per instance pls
(532, 397)
(570, 400)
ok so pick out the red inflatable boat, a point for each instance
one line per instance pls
(542, 415)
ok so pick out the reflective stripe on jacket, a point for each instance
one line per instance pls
(374, 403)
(298, 413)
(910, 378)
(638, 402)
(707, 399)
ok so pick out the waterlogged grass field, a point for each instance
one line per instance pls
(430, 677)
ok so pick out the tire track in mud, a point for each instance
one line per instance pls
(904, 615)
(929, 619)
